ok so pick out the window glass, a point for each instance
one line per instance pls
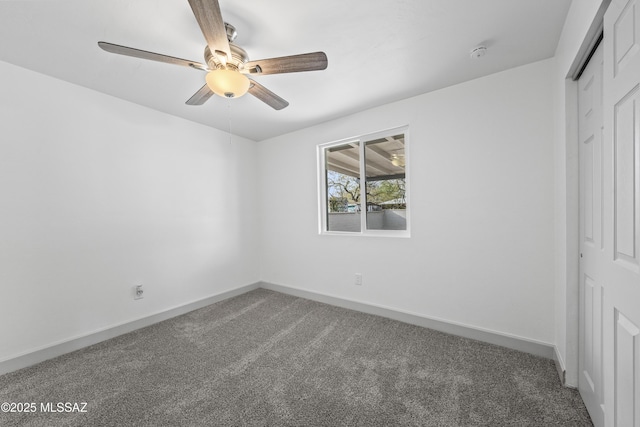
(386, 183)
(342, 166)
(364, 186)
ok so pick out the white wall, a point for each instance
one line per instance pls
(579, 19)
(98, 194)
(481, 171)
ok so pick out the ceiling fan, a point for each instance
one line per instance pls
(226, 64)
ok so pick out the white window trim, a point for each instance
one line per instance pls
(322, 185)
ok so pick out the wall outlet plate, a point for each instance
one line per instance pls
(138, 292)
(358, 279)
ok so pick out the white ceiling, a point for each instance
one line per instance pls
(379, 51)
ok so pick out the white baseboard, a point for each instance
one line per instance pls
(73, 344)
(537, 348)
(562, 371)
(526, 345)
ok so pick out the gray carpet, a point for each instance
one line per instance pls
(269, 359)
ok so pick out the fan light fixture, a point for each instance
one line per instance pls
(227, 63)
(397, 160)
(227, 83)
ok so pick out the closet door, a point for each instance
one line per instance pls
(590, 131)
(621, 172)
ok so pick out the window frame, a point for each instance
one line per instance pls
(322, 184)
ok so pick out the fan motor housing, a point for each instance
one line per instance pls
(239, 57)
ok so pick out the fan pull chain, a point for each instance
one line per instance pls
(229, 119)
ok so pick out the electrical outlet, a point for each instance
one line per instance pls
(358, 279)
(138, 292)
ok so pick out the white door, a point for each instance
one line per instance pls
(590, 123)
(621, 173)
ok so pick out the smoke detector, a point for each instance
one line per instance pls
(478, 52)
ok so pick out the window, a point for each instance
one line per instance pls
(364, 186)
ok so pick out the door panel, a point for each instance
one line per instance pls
(621, 309)
(590, 109)
(627, 371)
(587, 181)
(625, 164)
(626, 37)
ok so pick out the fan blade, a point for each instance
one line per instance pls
(288, 64)
(201, 96)
(143, 54)
(266, 96)
(209, 17)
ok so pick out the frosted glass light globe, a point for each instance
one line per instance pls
(227, 83)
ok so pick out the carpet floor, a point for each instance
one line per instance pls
(269, 359)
